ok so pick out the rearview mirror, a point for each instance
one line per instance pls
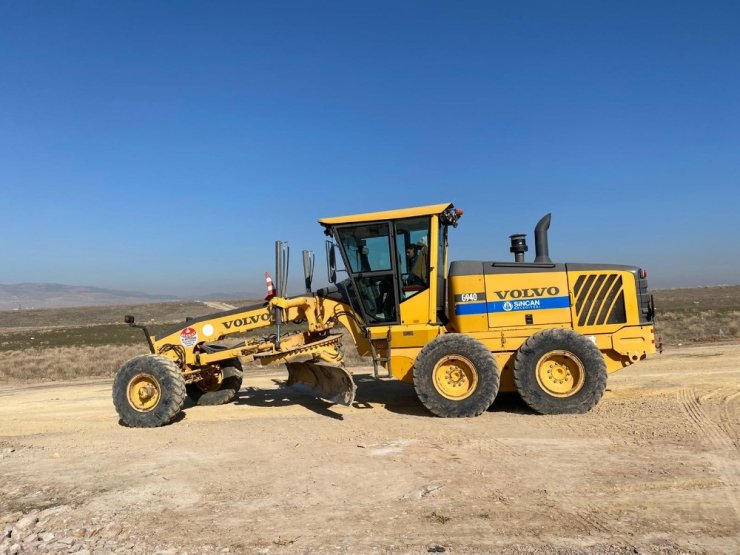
(331, 262)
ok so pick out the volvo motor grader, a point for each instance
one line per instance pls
(459, 332)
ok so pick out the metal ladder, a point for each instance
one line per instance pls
(377, 359)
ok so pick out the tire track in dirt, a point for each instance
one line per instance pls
(725, 455)
(729, 418)
(590, 517)
(582, 516)
(491, 446)
(716, 436)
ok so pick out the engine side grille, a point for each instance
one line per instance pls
(647, 311)
(599, 300)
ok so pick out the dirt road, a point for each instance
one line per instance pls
(655, 468)
(219, 305)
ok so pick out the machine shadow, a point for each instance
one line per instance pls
(178, 418)
(393, 395)
(510, 402)
(285, 396)
(400, 397)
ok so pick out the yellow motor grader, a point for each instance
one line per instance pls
(459, 332)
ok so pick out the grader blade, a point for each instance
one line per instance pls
(329, 382)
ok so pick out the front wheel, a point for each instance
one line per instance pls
(455, 375)
(560, 371)
(148, 391)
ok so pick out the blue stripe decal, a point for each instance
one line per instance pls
(466, 309)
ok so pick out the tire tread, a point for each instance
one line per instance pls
(172, 386)
(546, 340)
(477, 353)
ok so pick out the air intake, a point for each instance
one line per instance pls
(599, 300)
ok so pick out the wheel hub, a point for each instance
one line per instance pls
(143, 392)
(146, 393)
(560, 373)
(455, 377)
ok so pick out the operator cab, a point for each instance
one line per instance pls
(395, 262)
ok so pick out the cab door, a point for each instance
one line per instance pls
(412, 237)
(370, 259)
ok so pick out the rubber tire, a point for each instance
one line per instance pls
(554, 339)
(171, 385)
(477, 353)
(230, 386)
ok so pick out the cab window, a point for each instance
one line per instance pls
(412, 246)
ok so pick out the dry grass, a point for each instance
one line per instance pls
(718, 297)
(93, 361)
(698, 314)
(683, 326)
(157, 313)
(65, 363)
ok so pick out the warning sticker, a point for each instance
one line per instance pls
(188, 337)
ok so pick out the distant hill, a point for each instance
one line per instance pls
(232, 296)
(57, 295)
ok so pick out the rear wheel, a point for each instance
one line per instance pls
(148, 391)
(218, 387)
(560, 371)
(456, 376)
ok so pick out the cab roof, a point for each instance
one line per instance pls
(388, 214)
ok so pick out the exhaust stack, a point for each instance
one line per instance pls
(541, 247)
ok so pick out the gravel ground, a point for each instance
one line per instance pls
(654, 468)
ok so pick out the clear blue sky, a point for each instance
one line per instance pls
(164, 146)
